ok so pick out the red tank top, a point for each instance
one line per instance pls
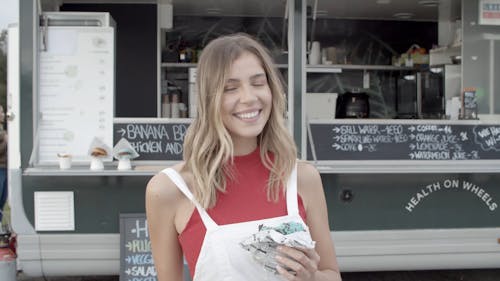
(245, 199)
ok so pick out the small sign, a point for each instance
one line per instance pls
(489, 12)
(469, 104)
(54, 211)
(155, 140)
(136, 260)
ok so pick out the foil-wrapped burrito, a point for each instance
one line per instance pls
(262, 244)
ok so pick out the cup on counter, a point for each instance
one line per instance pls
(331, 55)
(174, 106)
(96, 164)
(124, 164)
(324, 57)
(64, 161)
(182, 110)
(315, 53)
(165, 106)
(339, 55)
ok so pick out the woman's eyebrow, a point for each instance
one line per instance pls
(232, 80)
(258, 75)
(252, 78)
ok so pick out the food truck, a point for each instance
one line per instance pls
(396, 103)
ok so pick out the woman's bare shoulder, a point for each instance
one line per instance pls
(307, 172)
(308, 179)
(162, 189)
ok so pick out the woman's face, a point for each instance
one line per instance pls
(247, 98)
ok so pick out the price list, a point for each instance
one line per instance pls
(404, 142)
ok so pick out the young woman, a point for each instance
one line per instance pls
(239, 171)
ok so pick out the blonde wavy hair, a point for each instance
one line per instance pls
(208, 147)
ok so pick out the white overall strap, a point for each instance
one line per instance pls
(176, 178)
(292, 203)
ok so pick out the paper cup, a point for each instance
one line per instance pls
(96, 164)
(315, 54)
(124, 164)
(65, 162)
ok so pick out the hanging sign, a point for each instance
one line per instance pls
(489, 12)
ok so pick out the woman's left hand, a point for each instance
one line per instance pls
(302, 263)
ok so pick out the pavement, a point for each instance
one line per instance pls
(427, 275)
(22, 277)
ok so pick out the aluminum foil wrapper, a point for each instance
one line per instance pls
(262, 244)
(124, 150)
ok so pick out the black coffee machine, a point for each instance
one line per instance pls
(353, 104)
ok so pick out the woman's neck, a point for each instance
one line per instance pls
(244, 146)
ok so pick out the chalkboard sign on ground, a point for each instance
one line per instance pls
(153, 141)
(383, 141)
(136, 260)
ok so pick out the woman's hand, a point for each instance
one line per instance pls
(301, 262)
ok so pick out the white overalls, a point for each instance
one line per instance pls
(221, 257)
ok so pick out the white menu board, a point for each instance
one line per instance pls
(76, 92)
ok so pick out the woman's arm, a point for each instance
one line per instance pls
(320, 263)
(161, 198)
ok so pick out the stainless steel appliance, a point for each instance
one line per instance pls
(432, 102)
(354, 104)
(424, 94)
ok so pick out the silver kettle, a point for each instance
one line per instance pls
(353, 104)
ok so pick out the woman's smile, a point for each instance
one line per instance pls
(248, 116)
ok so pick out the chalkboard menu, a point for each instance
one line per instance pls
(136, 260)
(153, 141)
(371, 141)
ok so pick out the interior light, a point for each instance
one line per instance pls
(403, 15)
(409, 77)
(214, 11)
(428, 3)
(436, 69)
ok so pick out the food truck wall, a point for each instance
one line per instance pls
(401, 212)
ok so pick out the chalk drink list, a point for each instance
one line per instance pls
(404, 142)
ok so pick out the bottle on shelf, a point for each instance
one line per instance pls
(199, 48)
(164, 87)
(182, 110)
(165, 106)
(174, 106)
(193, 92)
(189, 54)
(183, 56)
